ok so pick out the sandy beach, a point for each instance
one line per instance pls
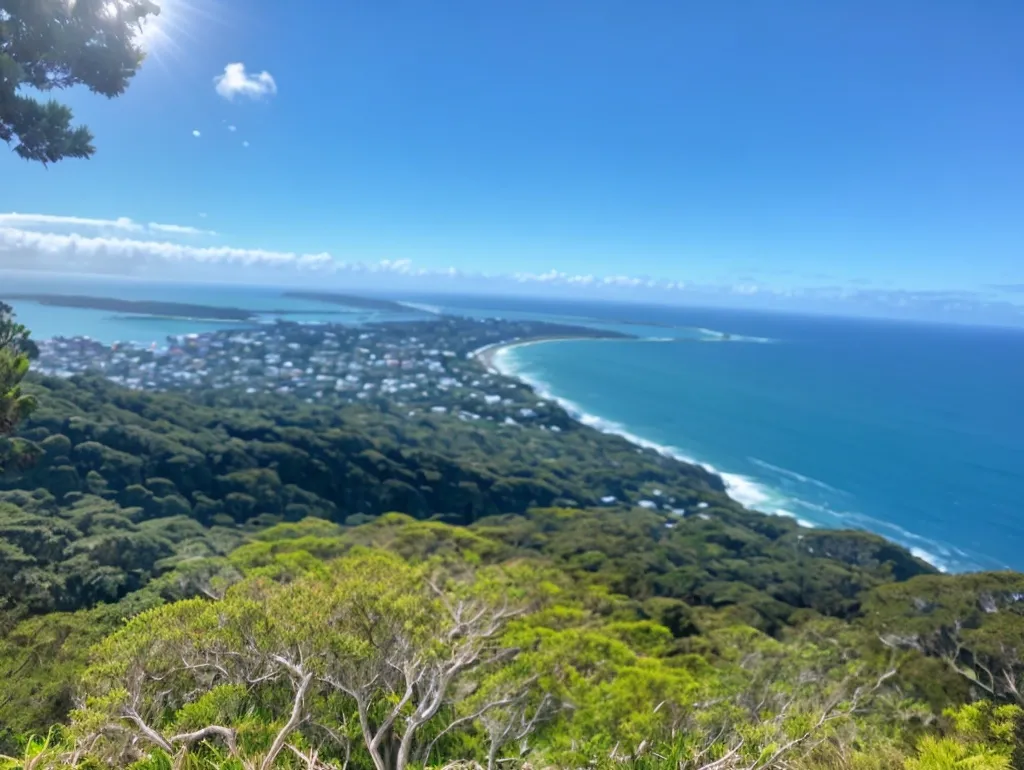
(487, 354)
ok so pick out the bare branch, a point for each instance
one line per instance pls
(148, 732)
(188, 739)
(294, 719)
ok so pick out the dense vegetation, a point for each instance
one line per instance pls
(401, 642)
(113, 486)
(221, 581)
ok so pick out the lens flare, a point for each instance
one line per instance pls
(155, 31)
(166, 34)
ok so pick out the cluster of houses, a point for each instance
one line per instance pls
(425, 366)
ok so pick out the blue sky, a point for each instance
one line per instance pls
(785, 153)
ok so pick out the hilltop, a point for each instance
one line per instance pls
(229, 572)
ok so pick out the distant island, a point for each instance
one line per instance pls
(349, 300)
(140, 307)
(156, 309)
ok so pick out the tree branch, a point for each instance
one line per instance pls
(293, 721)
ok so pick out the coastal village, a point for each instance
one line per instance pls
(423, 367)
(438, 369)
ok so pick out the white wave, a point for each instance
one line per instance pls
(931, 558)
(431, 309)
(794, 475)
(719, 336)
(501, 361)
(943, 556)
(745, 490)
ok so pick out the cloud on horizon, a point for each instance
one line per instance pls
(33, 250)
(235, 81)
(124, 247)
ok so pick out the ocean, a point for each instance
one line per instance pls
(913, 431)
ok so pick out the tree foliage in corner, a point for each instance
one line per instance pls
(55, 44)
(16, 348)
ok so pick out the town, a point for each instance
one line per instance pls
(424, 366)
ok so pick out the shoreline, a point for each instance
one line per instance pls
(738, 488)
(745, 491)
(488, 353)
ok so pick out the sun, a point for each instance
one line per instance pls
(158, 32)
(168, 34)
(154, 32)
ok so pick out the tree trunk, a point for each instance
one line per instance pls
(404, 750)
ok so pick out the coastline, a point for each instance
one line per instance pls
(488, 354)
(743, 490)
(738, 488)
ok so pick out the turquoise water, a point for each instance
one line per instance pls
(106, 326)
(911, 431)
(915, 432)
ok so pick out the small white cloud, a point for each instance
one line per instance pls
(245, 144)
(178, 229)
(202, 215)
(43, 220)
(403, 266)
(232, 128)
(622, 280)
(235, 81)
(557, 277)
(195, 133)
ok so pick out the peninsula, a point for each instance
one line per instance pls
(139, 307)
(156, 309)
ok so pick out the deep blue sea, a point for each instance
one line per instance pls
(912, 431)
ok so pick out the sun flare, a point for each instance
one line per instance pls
(158, 32)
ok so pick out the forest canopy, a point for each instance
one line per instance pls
(239, 580)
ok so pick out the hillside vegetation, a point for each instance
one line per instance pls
(253, 582)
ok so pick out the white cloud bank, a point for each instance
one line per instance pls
(124, 224)
(27, 249)
(235, 81)
(557, 278)
(124, 247)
